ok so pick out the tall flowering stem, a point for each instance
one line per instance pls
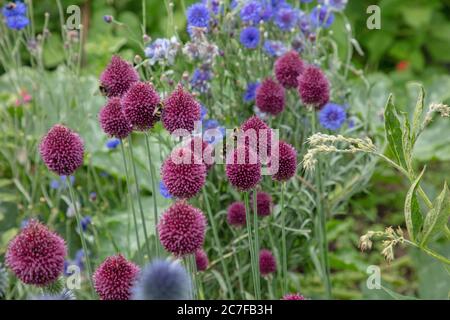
(138, 191)
(133, 209)
(322, 217)
(217, 241)
(80, 228)
(283, 239)
(253, 254)
(256, 243)
(155, 203)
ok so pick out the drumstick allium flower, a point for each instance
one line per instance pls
(243, 168)
(287, 162)
(113, 121)
(270, 97)
(201, 260)
(313, 87)
(264, 204)
(267, 263)
(236, 214)
(118, 77)
(288, 68)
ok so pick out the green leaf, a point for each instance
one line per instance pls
(417, 115)
(406, 141)
(397, 296)
(393, 131)
(413, 215)
(437, 217)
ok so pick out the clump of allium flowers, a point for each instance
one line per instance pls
(236, 214)
(264, 204)
(4, 282)
(113, 121)
(162, 51)
(267, 263)
(183, 173)
(139, 104)
(249, 37)
(36, 255)
(313, 87)
(270, 97)
(163, 280)
(118, 77)
(293, 296)
(114, 278)
(201, 260)
(182, 229)
(287, 162)
(332, 116)
(15, 14)
(288, 68)
(181, 111)
(62, 150)
(243, 168)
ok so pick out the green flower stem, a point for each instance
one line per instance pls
(217, 241)
(430, 252)
(322, 218)
(283, 240)
(194, 276)
(133, 209)
(154, 194)
(138, 195)
(83, 240)
(256, 243)
(250, 240)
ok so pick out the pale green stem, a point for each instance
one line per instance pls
(252, 249)
(429, 252)
(283, 240)
(256, 243)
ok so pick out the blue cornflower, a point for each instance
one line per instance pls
(163, 190)
(199, 80)
(251, 12)
(250, 93)
(162, 50)
(214, 135)
(306, 1)
(322, 17)
(286, 18)
(197, 15)
(16, 15)
(250, 37)
(61, 183)
(24, 223)
(112, 143)
(274, 48)
(332, 116)
(210, 124)
(17, 22)
(337, 5)
(213, 5)
(85, 222)
(78, 261)
(203, 112)
(304, 23)
(54, 184)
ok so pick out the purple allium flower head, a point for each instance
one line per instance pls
(274, 48)
(197, 15)
(181, 111)
(250, 92)
(286, 18)
(139, 104)
(264, 204)
(288, 68)
(313, 87)
(260, 129)
(322, 17)
(36, 255)
(201, 260)
(293, 296)
(163, 190)
(163, 280)
(182, 229)
(113, 121)
(243, 168)
(199, 149)
(251, 12)
(287, 162)
(332, 116)
(270, 97)
(267, 263)
(62, 150)
(236, 214)
(112, 143)
(118, 77)
(250, 37)
(183, 173)
(114, 278)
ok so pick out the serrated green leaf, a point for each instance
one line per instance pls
(417, 116)
(393, 131)
(413, 215)
(437, 217)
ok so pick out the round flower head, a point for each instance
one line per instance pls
(286, 18)
(270, 97)
(197, 15)
(182, 229)
(250, 12)
(243, 168)
(163, 280)
(332, 116)
(250, 37)
(293, 296)
(236, 214)
(114, 278)
(257, 127)
(267, 263)
(113, 120)
(181, 111)
(201, 149)
(313, 87)
(287, 162)
(288, 68)
(118, 77)
(263, 204)
(201, 260)
(183, 173)
(62, 150)
(139, 104)
(36, 255)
